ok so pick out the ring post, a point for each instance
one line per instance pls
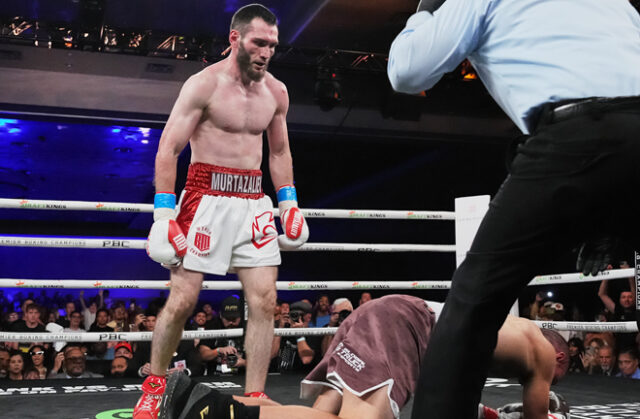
(470, 211)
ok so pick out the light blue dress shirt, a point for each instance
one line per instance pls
(526, 52)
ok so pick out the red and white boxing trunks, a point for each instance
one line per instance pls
(227, 219)
(381, 343)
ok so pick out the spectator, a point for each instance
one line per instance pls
(29, 324)
(143, 349)
(607, 337)
(282, 308)
(199, 320)
(364, 298)
(606, 362)
(294, 353)
(69, 308)
(23, 307)
(52, 316)
(225, 355)
(209, 311)
(119, 366)
(16, 366)
(321, 314)
(100, 324)
(71, 363)
(628, 364)
(89, 313)
(75, 323)
(185, 358)
(576, 352)
(31, 373)
(38, 360)
(10, 318)
(340, 310)
(125, 350)
(4, 362)
(534, 307)
(118, 324)
(149, 322)
(624, 310)
(590, 357)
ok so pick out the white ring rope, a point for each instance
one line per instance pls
(223, 285)
(310, 213)
(614, 327)
(570, 278)
(146, 336)
(139, 244)
(573, 278)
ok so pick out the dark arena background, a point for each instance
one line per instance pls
(87, 85)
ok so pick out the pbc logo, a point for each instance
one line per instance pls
(263, 230)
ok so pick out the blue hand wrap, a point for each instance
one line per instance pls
(287, 193)
(164, 200)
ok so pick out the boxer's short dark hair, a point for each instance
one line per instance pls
(559, 344)
(244, 15)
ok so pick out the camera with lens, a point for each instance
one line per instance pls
(232, 360)
(295, 316)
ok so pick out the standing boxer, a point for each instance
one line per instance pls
(224, 220)
(561, 70)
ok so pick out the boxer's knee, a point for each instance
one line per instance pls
(263, 301)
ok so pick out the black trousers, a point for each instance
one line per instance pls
(576, 177)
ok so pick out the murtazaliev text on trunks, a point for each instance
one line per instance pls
(227, 182)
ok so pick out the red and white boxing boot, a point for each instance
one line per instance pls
(148, 405)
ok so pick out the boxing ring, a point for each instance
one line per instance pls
(588, 396)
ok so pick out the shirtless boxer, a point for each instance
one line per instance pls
(372, 366)
(224, 222)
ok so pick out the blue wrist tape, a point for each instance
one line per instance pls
(164, 200)
(287, 193)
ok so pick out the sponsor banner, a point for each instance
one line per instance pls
(7, 390)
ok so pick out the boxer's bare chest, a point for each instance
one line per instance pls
(234, 109)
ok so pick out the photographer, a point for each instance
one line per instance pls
(340, 310)
(224, 355)
(294, 353)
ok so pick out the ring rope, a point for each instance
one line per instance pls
(615, 327)
(572, 278)
(139, 244)
(221, 285)
(298, 285)
(137, 208)
(146, 336)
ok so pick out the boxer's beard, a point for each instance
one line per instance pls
(244, 62)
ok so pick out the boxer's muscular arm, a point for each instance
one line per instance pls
(540, 366)
(523, 352)
(185, 116)
(432, 45)
(280, 161)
